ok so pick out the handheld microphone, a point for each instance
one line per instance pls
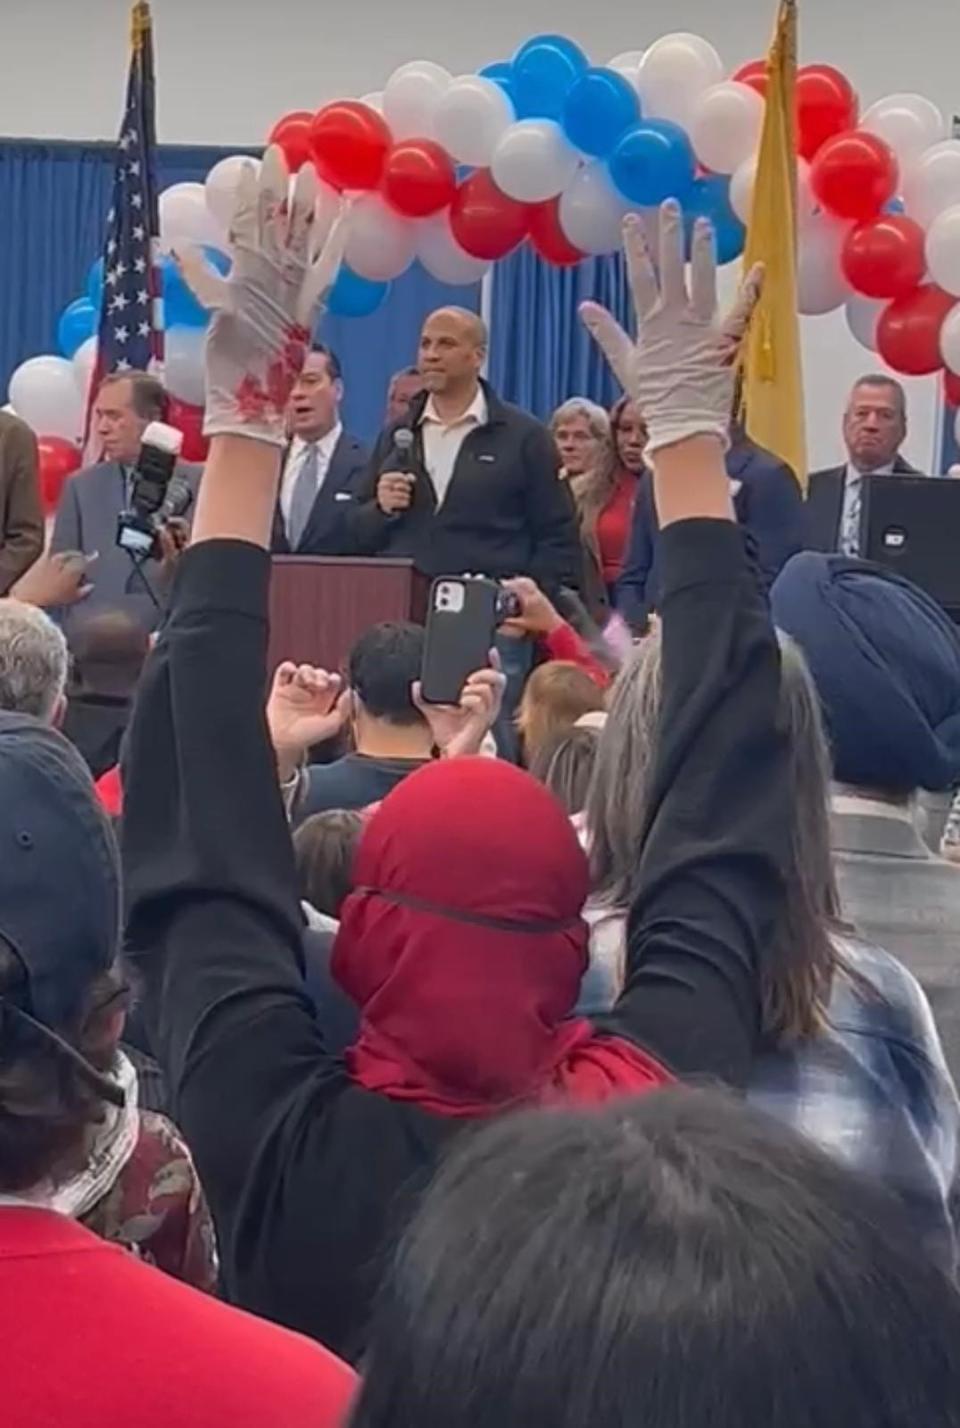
(403, 446)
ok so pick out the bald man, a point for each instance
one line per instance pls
(471, 483)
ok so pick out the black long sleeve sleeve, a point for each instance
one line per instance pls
(710, 877)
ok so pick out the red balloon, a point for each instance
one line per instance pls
(826, 105)
(754, 74)
(57, 459)
(484, 221)
(854, 175)
(908, 331)
(418, 178)
(292, 133)
(350, 143)
(548, 238)
(951, 387)
(885, 258)
(189, 421)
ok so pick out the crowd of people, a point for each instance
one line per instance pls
(582, 1052)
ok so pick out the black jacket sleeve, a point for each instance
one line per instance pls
(551, 515)
(710, 877)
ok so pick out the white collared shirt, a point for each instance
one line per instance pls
(442, 440)
(297, 455)
(853, 505)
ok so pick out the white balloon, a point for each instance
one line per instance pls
(726, 125)
(943, 250)
(183, 366)
(863, 314)
(933, 183)
(675, 72)
(628, 64)
(471, 119)
(441, 254)
(534, 161)
(411, 96)
(591, 210)
(221, 186)
(185, 217)
(909, 123)
(821, 285)
(43, 391)
(741, 191)
(374, 100)
(380, 244)
(949, 345)
(84, 366)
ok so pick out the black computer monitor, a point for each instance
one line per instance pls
(911, 524)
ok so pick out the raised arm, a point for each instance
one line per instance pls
(709, 879)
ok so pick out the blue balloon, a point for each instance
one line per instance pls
(78, 321)
(598, 108)
(896, 205)
(95, 284)
(353, 296)
(544, 71)
(653, 161)
(501, 73)
(710, 198)
(180, 307)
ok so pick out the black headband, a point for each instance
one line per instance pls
(476, 919)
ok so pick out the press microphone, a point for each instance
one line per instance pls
(178, 500)
(403, 446)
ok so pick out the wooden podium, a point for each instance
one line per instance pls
(319, 605)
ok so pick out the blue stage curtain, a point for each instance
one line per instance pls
(540, 353)
(372, 348)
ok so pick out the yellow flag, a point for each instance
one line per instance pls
(772, 378)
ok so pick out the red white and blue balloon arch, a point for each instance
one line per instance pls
(551, 150)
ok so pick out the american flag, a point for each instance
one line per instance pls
(130, 335)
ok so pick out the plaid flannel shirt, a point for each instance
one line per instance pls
(874, 1090)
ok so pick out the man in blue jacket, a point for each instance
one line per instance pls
(768, 503)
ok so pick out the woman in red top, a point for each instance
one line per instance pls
(605, 497)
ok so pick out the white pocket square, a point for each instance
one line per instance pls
(343, 496)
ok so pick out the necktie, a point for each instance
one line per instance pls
(303, 497)
(850, 535)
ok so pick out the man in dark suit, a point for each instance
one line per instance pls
(768, 503)
(92, 500)
(874, 429)
(21, 514)
(323, 467)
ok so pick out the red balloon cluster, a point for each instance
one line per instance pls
(755, 75)
(884, 257)
(484, 221)
(418, 178)
(349, 143)
(908, 331)
(854, 174)
(57, 459)
(292, 134)
(827, 104)
(548, 238)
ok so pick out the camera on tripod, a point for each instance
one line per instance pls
(156, 495)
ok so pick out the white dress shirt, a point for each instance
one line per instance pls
(442, 440)
(296, 456)
(851, 533)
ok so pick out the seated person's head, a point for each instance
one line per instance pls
(34, 663)
(673, 1260)
(109, 652)
(799, 963)
(565, 765)
(324, 846)
(581, 430)
(59, 938)
(886, 662)
(381, 670)
(555, 696)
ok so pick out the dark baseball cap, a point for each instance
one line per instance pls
(59, 869)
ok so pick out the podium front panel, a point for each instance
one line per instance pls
(319, 606)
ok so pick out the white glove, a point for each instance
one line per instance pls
(266, 308)
(680, 371)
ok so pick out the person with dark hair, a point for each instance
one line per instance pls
(676, 1261)
(886, 662)
(874, 429)
(325, 845)
(769, 506)
(91, 503)
(404, 388)
(850, 1053)
(323, 465)
(564, 765)
(462, 943)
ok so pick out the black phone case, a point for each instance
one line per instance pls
(457, 642)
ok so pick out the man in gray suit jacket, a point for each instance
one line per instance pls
(93, 499)
(886, 662)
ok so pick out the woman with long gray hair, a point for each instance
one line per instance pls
(851, 1055)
